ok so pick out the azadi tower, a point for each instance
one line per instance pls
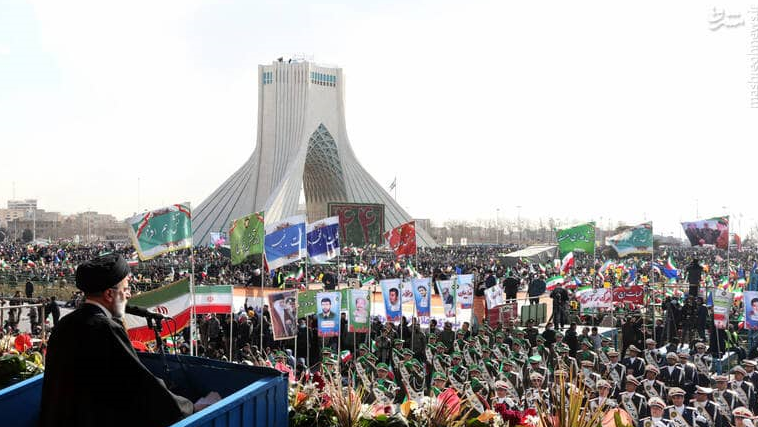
(302, 145)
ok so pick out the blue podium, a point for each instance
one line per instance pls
(252, 396)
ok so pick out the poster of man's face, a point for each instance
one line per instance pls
(422, 291)
(394, 293)
(284, 316)
(326, 306)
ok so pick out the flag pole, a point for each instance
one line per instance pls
(307, 324)
(231, 329)
(263, 280)
(193, 326)
(415, 311)
(339, 338)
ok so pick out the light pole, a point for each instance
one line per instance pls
(497, 227)
(518, 222)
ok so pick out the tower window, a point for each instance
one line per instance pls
(323, 79)
(268, 77)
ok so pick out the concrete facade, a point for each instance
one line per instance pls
(302, 144)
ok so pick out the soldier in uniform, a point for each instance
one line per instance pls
(605, 347)
(517, 355)
(521, 336)
(690, 373)
(458, 376)
(632, 402)
(603, 401)
(459, 343)
(588, 376)
(415, 382)
(707, 409)
(752, 375)
(540, 349)
(651, 386)
(513, 378)
(475, 372)
(441, 362)
(364, 370)
(438, 383)
(477, 398)
(614, 372)
(651, 354)
(702, 362)
(504, 397)
(536, 396)
(535, 366)
(385, 389)
(586, 354)
(743, 417)
(744, 389)
(681, 415)
(655, 419)
(634, 365)
(565, 361)
(673, 374)
(726, 398)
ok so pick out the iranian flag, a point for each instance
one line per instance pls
(567, 262)
(367, 280)
(174, 300)
(553, 282)
(213, 299)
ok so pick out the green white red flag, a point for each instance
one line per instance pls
(174, 300)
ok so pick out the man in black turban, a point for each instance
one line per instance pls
(93, 376)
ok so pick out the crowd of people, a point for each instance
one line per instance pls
(665, 360)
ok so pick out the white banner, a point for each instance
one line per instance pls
(722, 303)
(494, 296)
(595, 298)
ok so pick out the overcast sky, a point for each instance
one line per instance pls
(575, 110)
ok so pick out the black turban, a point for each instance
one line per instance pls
(101, 273)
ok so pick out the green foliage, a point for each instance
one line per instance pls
(15, 368)
(312, 418)
(385, 421)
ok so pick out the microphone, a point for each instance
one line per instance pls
(141, 312)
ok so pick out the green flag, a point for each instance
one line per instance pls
(633, 240)
(580, 238)
(162, 230)
(246, 237)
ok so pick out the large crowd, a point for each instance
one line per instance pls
(662, 362)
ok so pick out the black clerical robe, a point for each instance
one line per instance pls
(93, 377)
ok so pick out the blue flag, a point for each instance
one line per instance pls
(285, 241)
(323, 240)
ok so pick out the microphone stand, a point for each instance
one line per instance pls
(157, 327)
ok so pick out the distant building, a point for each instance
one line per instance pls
(24, 205)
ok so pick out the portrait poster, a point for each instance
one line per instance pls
(465, 290)
(448, 295)
(359, 310)
(283, 307)
(422, 295)
(392, 303)
(751, 309)
(328, 306)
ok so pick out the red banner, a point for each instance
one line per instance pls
(632, 294)
(402, 239)
(504, 313)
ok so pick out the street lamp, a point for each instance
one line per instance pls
(518, 222)
(497, 227)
